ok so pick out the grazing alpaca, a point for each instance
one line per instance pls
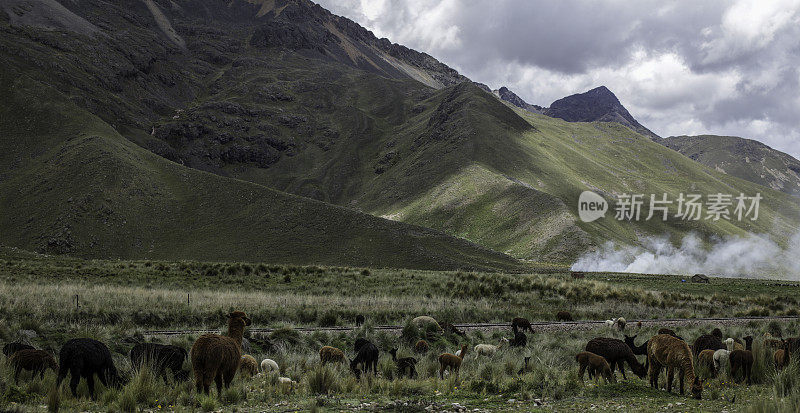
(36, 361)
(423, 321)
(404, 364)
(85, 357)
(640, 350)
(564, 316)
(519, 340)
(367, 357)
(359, 320)
(620, 323)
(743, 359)
(782, 357)
(269, 365)
(706, 358)
(732, 344)
(596, 365)
(160, 357)
(720, 357)
(328, 354)
(487, 349)
(451, 362)
(11, 348)
(664, 350)
(421, 347)
(451, 329)
(522, 324)
(707, 342)
(216, 358)
(616, 352)
(248, 365)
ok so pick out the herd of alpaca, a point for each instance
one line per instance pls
(218, 358)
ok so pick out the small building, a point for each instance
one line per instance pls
(578, 275)
(700, 278)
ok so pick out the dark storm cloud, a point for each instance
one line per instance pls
(721, 67)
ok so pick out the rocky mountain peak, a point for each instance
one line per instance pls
(596, 105)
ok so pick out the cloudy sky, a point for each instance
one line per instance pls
(680, 67)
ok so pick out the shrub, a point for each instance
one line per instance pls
(323, 380)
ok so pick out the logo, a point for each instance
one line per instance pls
(591, 206)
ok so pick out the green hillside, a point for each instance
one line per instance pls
(72, 184)
(743, 158)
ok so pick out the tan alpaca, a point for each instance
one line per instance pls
(664, 350)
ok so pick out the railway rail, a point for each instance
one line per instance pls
(541, 325)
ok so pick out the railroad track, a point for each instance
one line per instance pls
(541, 325)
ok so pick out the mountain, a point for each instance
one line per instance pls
(596, 105)
(507, 95)
(76, 77)
(743, 158)
(273, 130)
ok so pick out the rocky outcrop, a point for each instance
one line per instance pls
(596, 105)
(507, 95)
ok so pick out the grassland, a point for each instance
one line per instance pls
(120, 300)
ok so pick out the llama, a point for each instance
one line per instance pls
(160, 357)
(487, 349)
(85, 357)
(708, 342)
(216, 358)
(720, 357)
(706, 358)
(421, 347)
(248, 365)
(616, 352)
(564, 316)
(596, 365)
(522, 324)
(743, 359)
(269, 365)
(36, 361)
(782, 357)
(664, 350)
(404, 364)
(11, 348)
(367, 357)
(451, 362)
(328, 354)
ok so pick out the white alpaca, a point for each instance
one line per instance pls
(488, 349)
(720, 358)
(269, 365)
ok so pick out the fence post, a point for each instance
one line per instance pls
(187, 298)
(77, 303)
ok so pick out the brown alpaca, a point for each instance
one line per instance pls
(451, 361)
(782, 356)
(216, 358)
(36, 361)
(596, 365)
(706, 358)
(421, 347)
(743, 359)
(564, 316)
(248, 365)
(664, 350)
(328, 354)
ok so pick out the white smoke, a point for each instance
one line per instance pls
(752, 256)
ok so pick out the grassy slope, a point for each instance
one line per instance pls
(742, 158)
(77, 186)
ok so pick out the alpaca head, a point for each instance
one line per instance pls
(238, 319)
(697, 388)
(717, 333)
(463, 351)
(630, 340)
(749, 342)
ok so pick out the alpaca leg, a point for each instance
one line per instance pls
(670, 377)
(90, 383)
(441, 371)
(622, 369)
(582, 371)
(680, 380)
(218, 383)
(75, 377)
(17, 369)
